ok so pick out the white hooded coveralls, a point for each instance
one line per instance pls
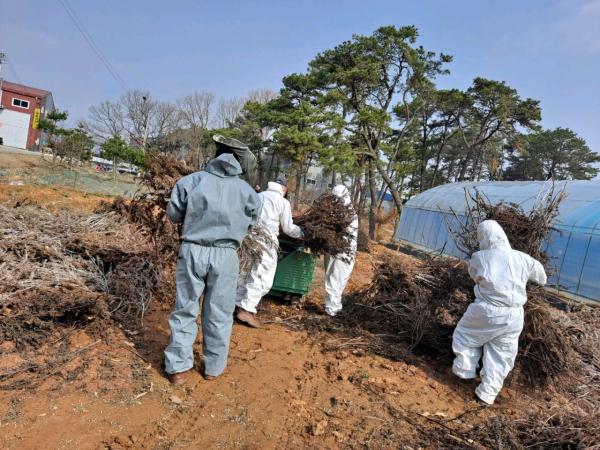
(274, 211)
(337, 272)
(493, 322)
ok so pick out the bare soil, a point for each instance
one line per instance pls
(302, 381)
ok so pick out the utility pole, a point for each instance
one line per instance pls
(2, 59)
(147, 120)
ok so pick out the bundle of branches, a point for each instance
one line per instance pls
(325, 226)
(162, 173)
(527, 232)
(546, 355)
(251, 251)
(60, 268)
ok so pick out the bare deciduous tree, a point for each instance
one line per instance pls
(166, 119)
(262, 95)
(139, 110)
(228, 110)
(106, 119)
(196, 115)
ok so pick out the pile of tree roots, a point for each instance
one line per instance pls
(422, 301)
(325, 226)
(64, 268)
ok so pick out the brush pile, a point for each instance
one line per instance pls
(422, 301)
(325, 226)
(63, 267)
(562, 426)
(62, 271)
(419, 301)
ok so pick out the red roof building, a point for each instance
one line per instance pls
(21, 109)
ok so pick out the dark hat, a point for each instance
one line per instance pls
(282, 182)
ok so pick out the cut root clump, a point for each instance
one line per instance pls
(325, 226)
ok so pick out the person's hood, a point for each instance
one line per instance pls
(275, 187)
(342, 191)
(224, 165)
(491, 236)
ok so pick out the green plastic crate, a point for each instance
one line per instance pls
(294, 274)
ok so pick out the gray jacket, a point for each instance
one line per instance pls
(216, 207)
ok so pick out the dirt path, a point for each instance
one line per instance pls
(285, 387)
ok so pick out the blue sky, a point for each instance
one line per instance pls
(548, 50)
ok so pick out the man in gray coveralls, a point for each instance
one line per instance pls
(217, 208)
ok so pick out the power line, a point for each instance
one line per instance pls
(13, 71)
(94, 42)
(94, 47)
(4, 59)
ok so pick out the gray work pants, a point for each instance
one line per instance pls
(214, 271)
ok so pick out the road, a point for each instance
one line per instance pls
(5, 149)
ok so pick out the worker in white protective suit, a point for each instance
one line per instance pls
(275, 211)
(493, 322)
(339, 268)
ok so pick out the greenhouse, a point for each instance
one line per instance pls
(575, 247)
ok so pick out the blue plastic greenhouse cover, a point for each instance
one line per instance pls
(579, 212)
(575, 248)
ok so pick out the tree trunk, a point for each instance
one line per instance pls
(260, 167)
(298, 191)
(333, 179)
(465, 164)
(373, 205)
(438, 159)
(114, 168)
(391, 186)
(276, 167)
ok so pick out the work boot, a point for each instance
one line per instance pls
(248, 318)
(481, 402)
(212, 377)
(177, 379)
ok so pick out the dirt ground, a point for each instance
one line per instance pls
(302, 381)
